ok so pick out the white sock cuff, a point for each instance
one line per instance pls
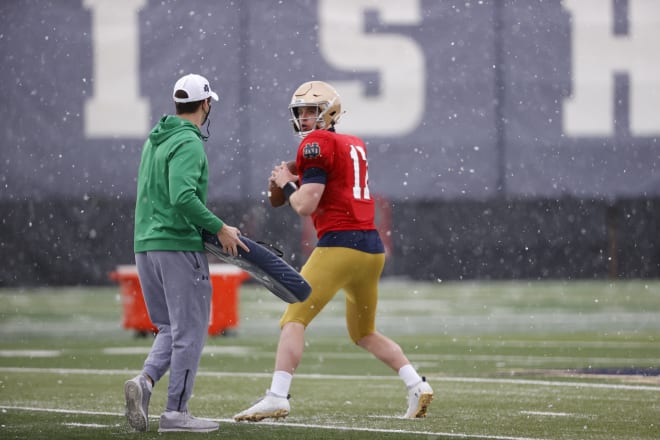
(409, 375)
(281, 383)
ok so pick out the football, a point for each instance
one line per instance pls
(275, 193)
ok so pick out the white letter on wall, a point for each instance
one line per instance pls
(398, 60)
(116, 108)
(597, 55)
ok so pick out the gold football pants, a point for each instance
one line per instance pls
(330, 269)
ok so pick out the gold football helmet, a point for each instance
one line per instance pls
(320, 95)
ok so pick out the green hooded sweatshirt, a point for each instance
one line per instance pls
(172, 186)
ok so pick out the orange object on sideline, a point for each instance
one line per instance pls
(225, 282)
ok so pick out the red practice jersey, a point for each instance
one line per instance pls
(346, 203)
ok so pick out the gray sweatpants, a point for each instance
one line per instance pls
(177, 292)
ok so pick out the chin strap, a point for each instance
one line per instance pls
(207, 122)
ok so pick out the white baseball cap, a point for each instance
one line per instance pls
(196, 87)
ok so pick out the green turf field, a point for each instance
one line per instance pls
(507, 360)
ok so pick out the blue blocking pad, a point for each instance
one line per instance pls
(264, 266)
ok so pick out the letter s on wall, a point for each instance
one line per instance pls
(398, 60)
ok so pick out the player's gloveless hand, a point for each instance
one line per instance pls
(229, 238)
(282, 174)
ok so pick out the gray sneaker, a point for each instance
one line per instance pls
(137, 395)
(182, 421)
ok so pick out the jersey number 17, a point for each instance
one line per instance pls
(360, 183)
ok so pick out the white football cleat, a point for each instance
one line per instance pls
(419, 399)
(270, 406)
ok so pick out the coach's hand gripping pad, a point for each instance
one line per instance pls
(264, 266)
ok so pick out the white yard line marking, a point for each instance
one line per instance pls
(242, 351)
(564, 344)
(534, 359)
(208, 350)
(344, 377)
(403, 431)
(30, 353)
(553, 384)
(547, 413)
(59, 411)
(87, 425)
(284, 424)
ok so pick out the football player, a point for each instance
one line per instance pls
(332, 187)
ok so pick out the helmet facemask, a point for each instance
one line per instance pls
(319, 121)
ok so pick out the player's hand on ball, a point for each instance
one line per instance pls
(284, 172)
